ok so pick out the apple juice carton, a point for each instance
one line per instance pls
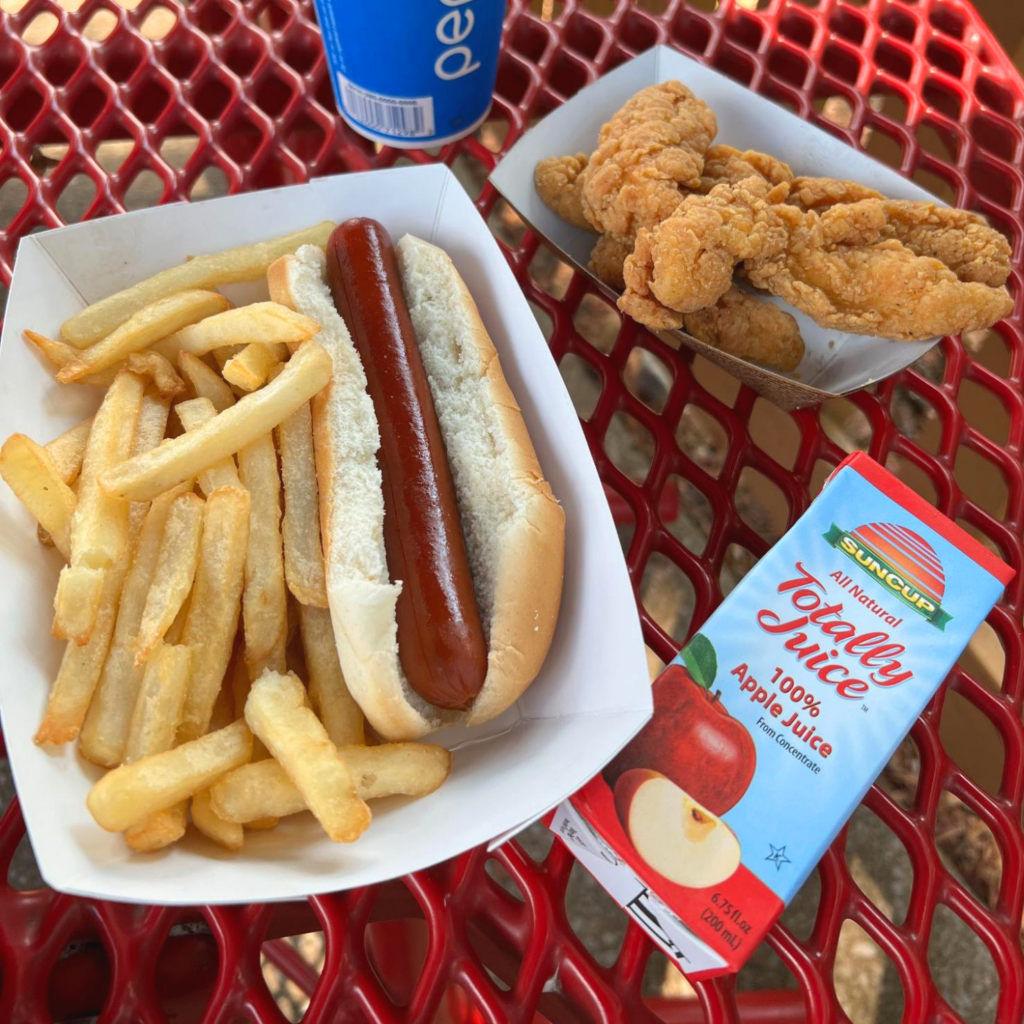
(777, 716)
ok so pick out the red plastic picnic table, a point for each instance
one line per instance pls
(248, 83)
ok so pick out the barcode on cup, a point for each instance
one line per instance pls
(390, 115)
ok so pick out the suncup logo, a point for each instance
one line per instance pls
(899, 560)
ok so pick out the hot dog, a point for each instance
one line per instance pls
(443, 542)
(441, 641)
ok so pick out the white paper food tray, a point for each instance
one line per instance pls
(591, 697)
(834, 363)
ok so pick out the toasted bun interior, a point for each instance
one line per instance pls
(514, 527)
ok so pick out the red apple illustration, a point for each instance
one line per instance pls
(693, 741)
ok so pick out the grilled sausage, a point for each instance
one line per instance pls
(441, 642)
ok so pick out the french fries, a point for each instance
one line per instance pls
(328, 693)
(193, 414)
(263, 788)
(99, 526)
(177, 628)
(158, 830)
(128, 795)
(223, 709)
(245, 263)
(152, 424)
(300, 529)
(250, 368)
(160, 701)
(204, 382)
(265, 599)
(77, 601)
(216, 600)
(148, 325)
(228, 834)
(59, 354)
(153, 727)
(80, 668)
(38, 483)
(159, 370)
(223, 354)
(276, 713)
(261, 323)
(145, 476)
(67, 450)
(175, 570)
(105, 733)
(262, 824)
(149, 432)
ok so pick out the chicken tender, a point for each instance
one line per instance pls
(846, 267)
(646, 153)
(750, 328)
(686, 263)
(959, 238)
(739, 323)
(882, 289)
(727, 165)
(820, 193)
(558, 183)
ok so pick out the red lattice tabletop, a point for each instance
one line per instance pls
(215, 89)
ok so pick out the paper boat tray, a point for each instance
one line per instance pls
(834, 363)
(590, 698)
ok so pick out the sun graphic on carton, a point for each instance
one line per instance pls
(899, 560)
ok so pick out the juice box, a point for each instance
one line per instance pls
(774, 720)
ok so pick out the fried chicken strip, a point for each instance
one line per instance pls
(727, 165)
(959, 238)
(882, 289)
(748, 327)
(820, 193)
(844, 267)
(559, 184)
(848, 269)
(686, 262)
(651, 147)
(739, 323)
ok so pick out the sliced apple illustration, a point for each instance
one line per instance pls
(675, 835)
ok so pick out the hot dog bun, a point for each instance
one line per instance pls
(514, 527)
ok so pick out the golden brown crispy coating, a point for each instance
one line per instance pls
(844, 267)
(558, 183)
(607, 258)
(750, 328)
(677, 216)
(727, 165)
(881, 289)
(739, 323)
(651, 148)
(818, 193)
(686, 263)
(960, 239)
